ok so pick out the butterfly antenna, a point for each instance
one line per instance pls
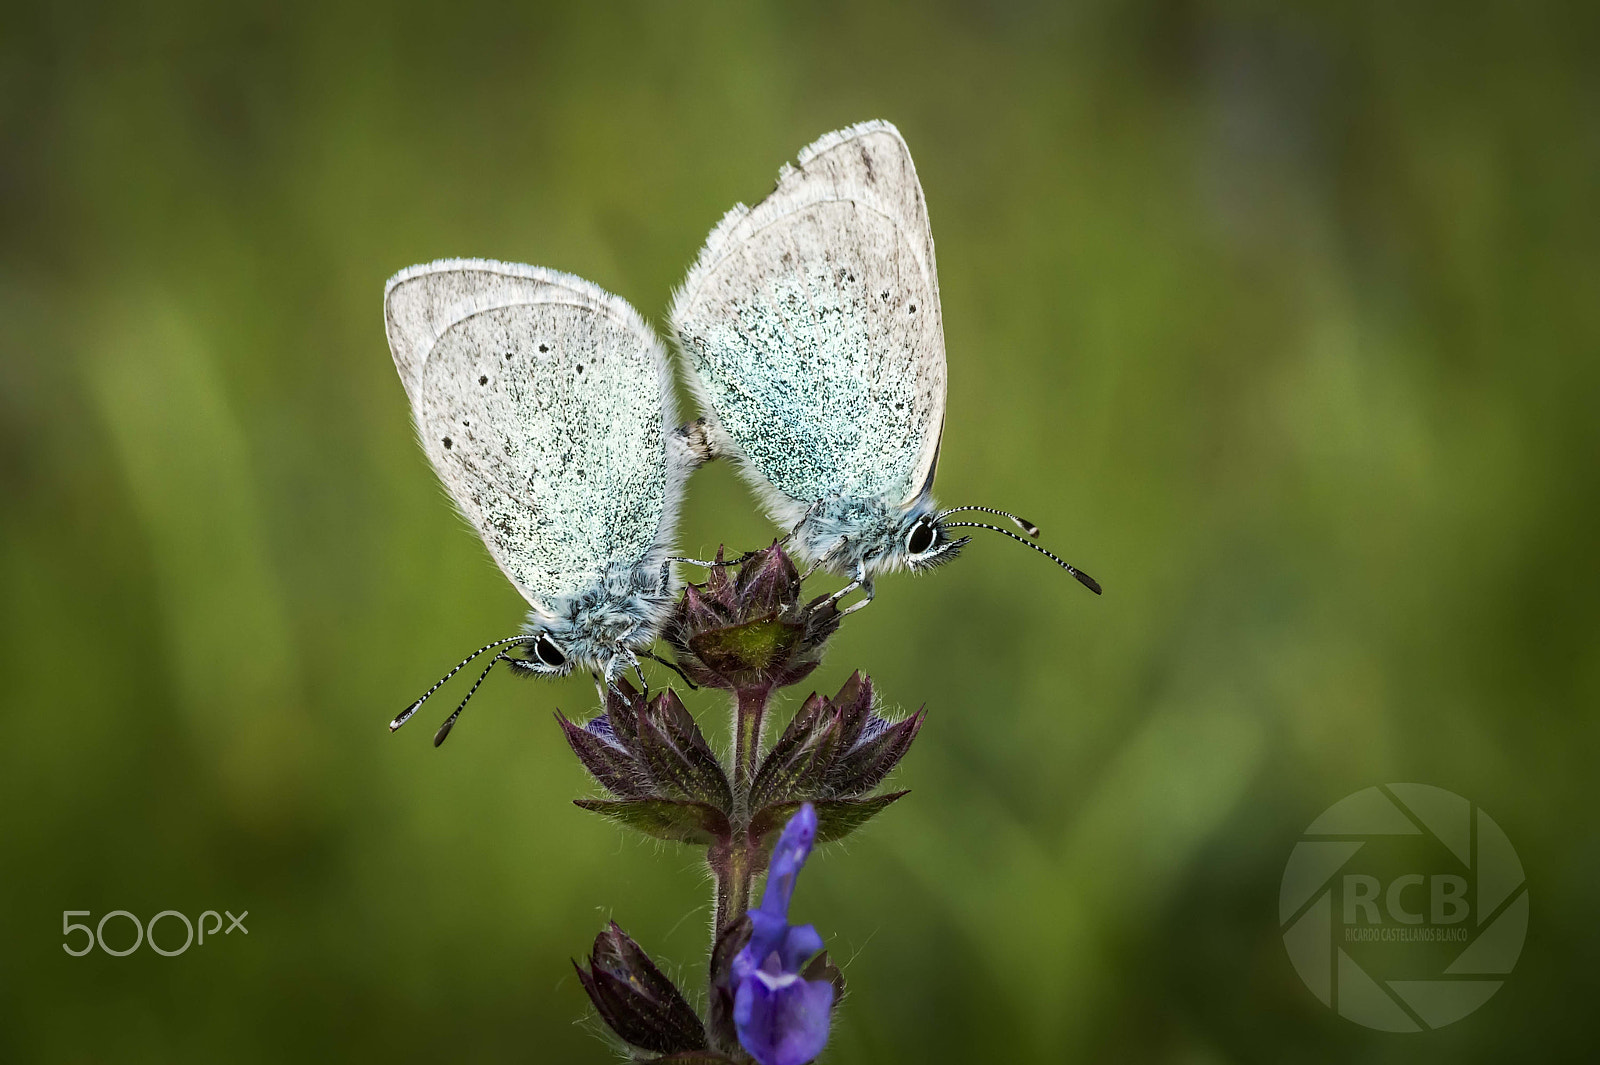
(405, 715)
(1083, 578)
(450, 722)
(1022, 523)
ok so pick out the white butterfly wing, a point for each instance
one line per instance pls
(543, 402)
(811, 327)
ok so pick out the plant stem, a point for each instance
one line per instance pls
(750, 707)
(732, 896)
(733, 867)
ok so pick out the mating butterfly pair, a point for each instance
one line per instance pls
(811, 334)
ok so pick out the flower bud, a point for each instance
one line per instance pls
(749, 630)
(636, 1000)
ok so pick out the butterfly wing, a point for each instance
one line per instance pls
(812, 331)
(543, 402)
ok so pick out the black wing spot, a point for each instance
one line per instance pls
(447, 444)
(580, 367)
(913, 308)
(884, 294)
(544, 347)
(483, 379)
(899, 406)
(508, 355)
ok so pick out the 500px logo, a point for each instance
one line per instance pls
(145, 933)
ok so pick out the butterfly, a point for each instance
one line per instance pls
(546, 406)
(811, 331)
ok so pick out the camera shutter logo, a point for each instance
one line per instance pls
(1449, 898)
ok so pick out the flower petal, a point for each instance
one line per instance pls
(788, 857)
(799, 944)
(787, 1025)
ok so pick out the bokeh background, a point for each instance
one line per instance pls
(1279, 319)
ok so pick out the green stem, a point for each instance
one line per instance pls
(733, 867)
(732, 885)
(749, 709)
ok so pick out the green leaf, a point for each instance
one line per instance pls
(669, 819)
(836, 818)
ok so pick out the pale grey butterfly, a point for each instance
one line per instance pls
(545, 404)
(811, 329)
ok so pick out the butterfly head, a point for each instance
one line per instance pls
(927, 544)
(543, 655)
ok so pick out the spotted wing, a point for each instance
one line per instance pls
(812, 332)
(543, 402)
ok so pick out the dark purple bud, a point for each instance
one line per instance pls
(613, 766)
(767, 582)
(680, 760)
(833, 749)
(636, 1000)
(719, 1012)
(698, 611)
(745, 629)
(654, 751)
(877, 751)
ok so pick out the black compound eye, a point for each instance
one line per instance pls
(545, 650)
(920, 538)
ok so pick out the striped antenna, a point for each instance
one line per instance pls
(1083, 578)
(405, 715)
(450, 722)
(1022, 523)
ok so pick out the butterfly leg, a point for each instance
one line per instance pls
(823, 558)
(703, 564)
(867, 592)
(638, 671)
(605, 687)
(858, 581)
(672, 666)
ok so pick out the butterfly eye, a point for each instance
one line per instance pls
(545, 650)
(920, 538)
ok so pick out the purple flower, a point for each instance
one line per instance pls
(780, 1015)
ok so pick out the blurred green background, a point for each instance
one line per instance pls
(1279, 319)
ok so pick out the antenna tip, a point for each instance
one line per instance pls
(1031, 529)
(1087, 581)
(405, 715)
(443, 733)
